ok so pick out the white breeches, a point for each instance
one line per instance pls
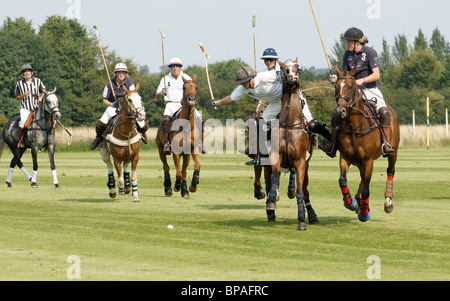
(24, 113)
(375, 93)
(110, 112)
(173, 107)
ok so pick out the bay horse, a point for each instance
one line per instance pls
(122, 143)
(360, 144)
(185, 141)
(40, 134)
(295, 147)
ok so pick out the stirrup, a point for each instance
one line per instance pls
(167, 149)
(255, 161)
(387, 154)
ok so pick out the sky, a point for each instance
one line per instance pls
(131, 27)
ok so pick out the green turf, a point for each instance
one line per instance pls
(221, 232)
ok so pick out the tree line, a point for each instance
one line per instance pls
(65, 55)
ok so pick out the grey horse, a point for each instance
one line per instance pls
(40, 134)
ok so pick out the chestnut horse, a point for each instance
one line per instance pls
(359, 143)
(295, 147)
(185, 141)
(122, 143)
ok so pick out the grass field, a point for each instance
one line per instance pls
(221, 232)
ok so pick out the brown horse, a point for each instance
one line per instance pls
(185, 141)
(295, 147)
(122, 143)
(360, 143)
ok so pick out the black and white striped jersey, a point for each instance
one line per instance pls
(35, 86)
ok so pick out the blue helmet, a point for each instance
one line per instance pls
(270, 53)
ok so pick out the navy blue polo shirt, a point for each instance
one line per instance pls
(118, 89)
(365, 60)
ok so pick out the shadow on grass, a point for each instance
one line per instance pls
(96, 201)
(262, 222)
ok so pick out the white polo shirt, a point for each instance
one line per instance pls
(268, 88)
(174, 87)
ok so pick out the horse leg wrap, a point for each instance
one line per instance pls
(291, 182)
(126, 179)
(312, 216)
(301, 208)
(349, 202)
(196, 178)
(167, 181)
(347, 196)
(111, 181)
(184, 190)
(364, 213)
(390, 188)
(134, 186)
(258, 193)
(177, 186)
(301, 214)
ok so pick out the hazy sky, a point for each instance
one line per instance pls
(225, 27)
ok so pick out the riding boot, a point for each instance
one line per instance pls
(318, 128)
(385, 123)
(100, 128)
(143, 131)
(166, 128)
(331, 148)
(20, 137)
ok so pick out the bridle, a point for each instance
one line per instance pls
(187, 95)
(351, 101)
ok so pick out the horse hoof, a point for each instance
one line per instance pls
(271, 206)
(186, 196)
(136, 201)
(57, 186)
(352, 206)
(363, 218)
(314, 221)
(8, 185)
(128, 190)
(389, 209)
(192, 189)
(112, 195)
(271, 215)
(175, 189)
(259, 195)
(168, 192)
(34, 185)
(291, 194)
(301, 226)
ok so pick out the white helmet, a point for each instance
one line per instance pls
(121, 67)
(175, 61)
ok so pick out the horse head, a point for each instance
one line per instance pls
(190, 92)
(290, 71)
(347, 93)
(132, 104)
(51, 104)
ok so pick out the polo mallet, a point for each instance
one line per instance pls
(320, 35)
(164, 61)
(67, 131)
(104, 62)
(206, 55)
(254, 39)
